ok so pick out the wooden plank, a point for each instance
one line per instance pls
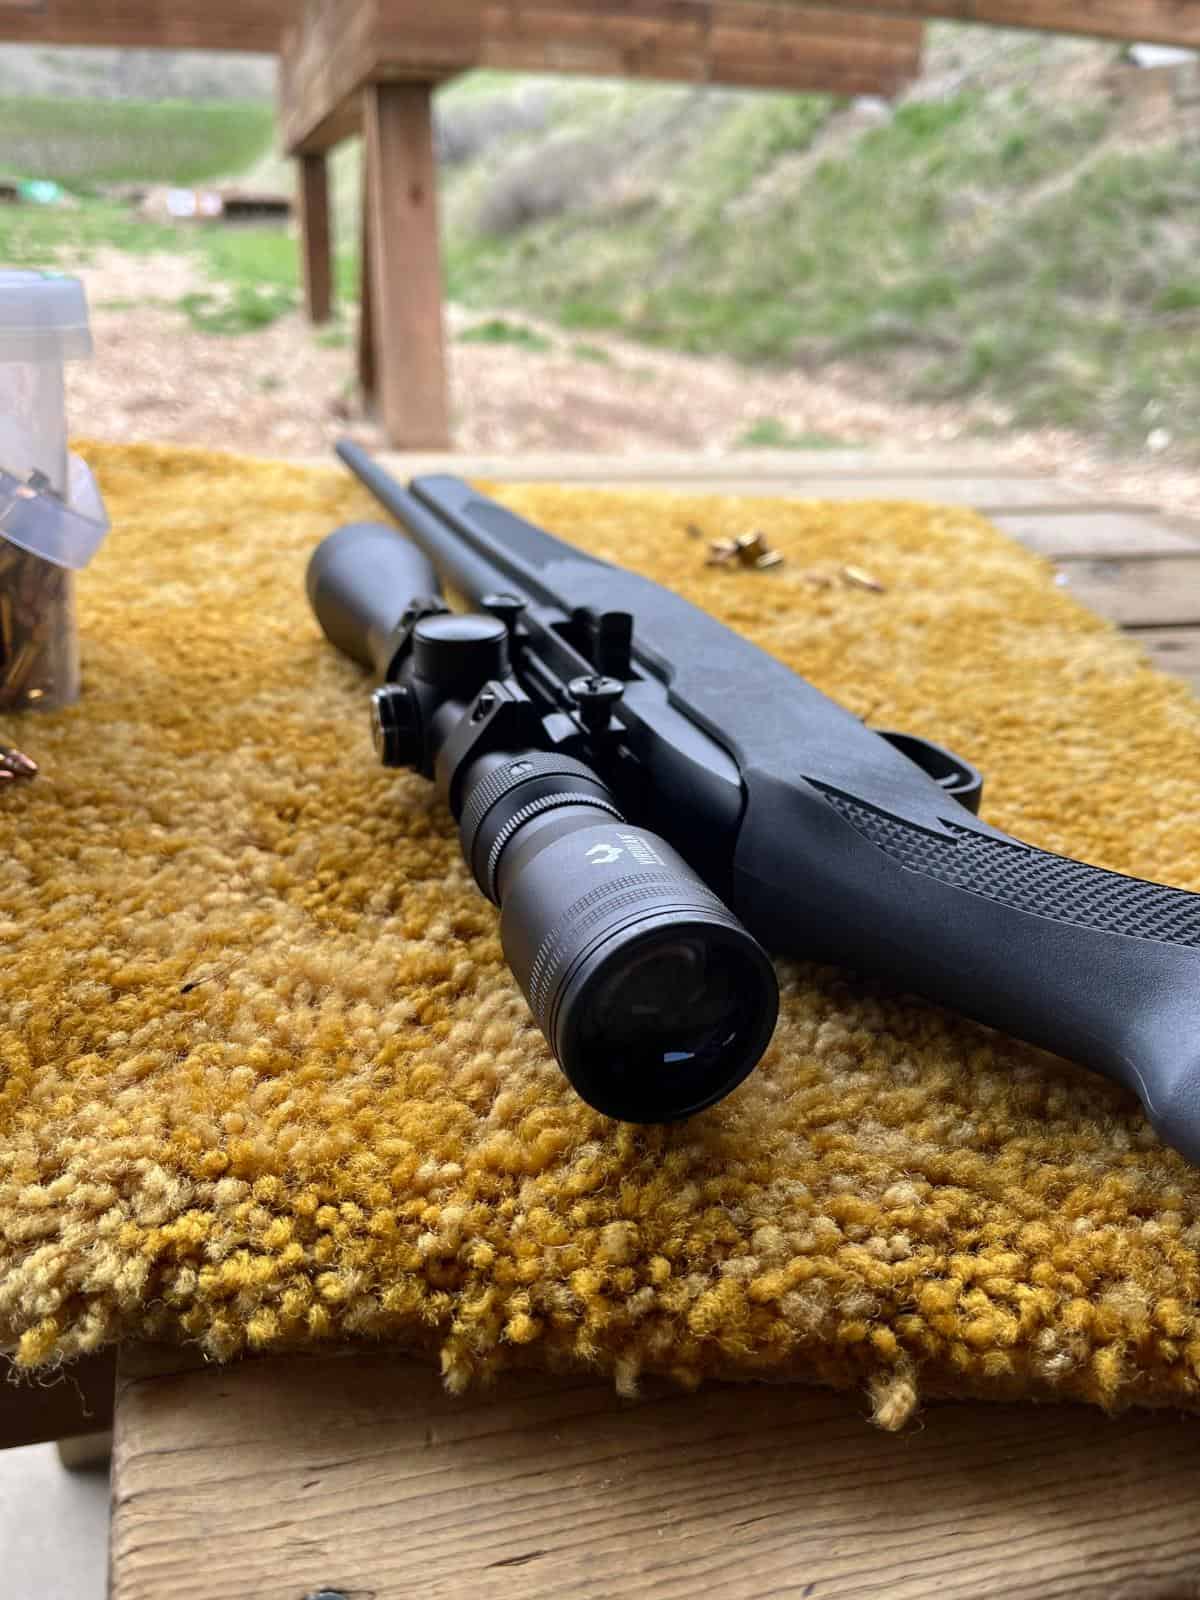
(1091, 534)
(1175, 650)
(798, 17)
(996, 495)
(340, 45)
(316, 238)
(768, 467)
(66, 1404)
(1138, 591)
(1151, 21)
(406, 276)
(590, 57)
(359, 1476)
(163, 24)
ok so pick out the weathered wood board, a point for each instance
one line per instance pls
(166, 24)
(358, 1476)
(1147, 591)
(256, 24)
(1175, 650)
(1103, 535)
(1153, 21)
(838, 476)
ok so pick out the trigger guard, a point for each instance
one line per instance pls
(953, 776)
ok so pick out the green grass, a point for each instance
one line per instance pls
(85, 142)
(590, 352)
(497, 331)
(770, 433)
(37, 236)
(240, 308)
(255, 272)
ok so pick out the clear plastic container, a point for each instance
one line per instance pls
(52, 517)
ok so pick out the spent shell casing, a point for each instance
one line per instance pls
(862, 580)
(15, 764)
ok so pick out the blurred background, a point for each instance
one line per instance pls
(1007, 255)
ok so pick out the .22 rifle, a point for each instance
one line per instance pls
(652, 800)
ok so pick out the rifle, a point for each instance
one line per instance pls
(653, 802)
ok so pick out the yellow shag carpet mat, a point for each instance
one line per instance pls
(266, 1081)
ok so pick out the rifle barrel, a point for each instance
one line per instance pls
(458, 565)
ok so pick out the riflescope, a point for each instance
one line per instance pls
(653, 997)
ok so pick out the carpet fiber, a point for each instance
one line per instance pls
(266, 1081)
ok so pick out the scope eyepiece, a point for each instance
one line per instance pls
(654, 998)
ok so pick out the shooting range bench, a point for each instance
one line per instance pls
(356, 1475)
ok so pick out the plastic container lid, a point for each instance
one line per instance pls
(64, 529)
(42, 318)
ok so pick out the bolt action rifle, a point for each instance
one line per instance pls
(649, 827)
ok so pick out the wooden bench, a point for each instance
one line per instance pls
(355, 1475)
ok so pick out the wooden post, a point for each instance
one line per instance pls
(316, 237)
(366, 314)
(405, 265)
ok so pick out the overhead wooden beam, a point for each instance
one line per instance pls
(1174, 22)
(150, 24)
(258, 24)
(405, 306)
(340, 45)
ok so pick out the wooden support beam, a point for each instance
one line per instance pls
(1175, 22)
(150, 24)
(359, 1476)
(406, 272)
(316, 238)
(341, 45)
(39, 1408)
(225, 25)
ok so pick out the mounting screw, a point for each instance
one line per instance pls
(508, 607)
(594, 699)
(396, 726)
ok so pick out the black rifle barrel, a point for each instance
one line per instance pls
(459, 566)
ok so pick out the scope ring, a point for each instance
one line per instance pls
(547, 802)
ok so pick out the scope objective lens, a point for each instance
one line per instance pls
(654, 998)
